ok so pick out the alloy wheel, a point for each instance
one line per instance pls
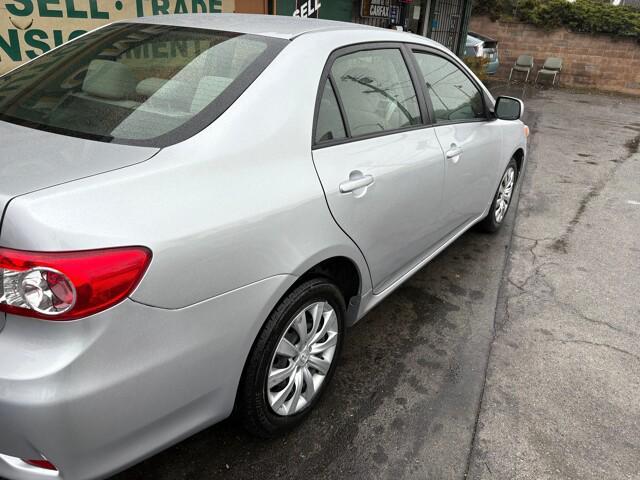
(302, 359)
(505, 192)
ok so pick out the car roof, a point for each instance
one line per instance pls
(266, 25)
(481, 37)
(276, 26)
(473, 40)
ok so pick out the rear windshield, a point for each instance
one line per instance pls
(137, 84)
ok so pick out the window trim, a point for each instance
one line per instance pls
(423, 49)
(345, 124)
(425, 113)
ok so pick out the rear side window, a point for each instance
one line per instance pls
(140, 84)
(453, 95)
(329, 125)
(376, 91)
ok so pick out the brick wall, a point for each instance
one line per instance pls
(592, 61)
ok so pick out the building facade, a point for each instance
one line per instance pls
(446, 21)
(29, 28)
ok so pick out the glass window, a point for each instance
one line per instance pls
(329, 125)
(376, 91)
(132, 82)
(454, 97)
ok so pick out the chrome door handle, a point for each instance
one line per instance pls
(356, 183)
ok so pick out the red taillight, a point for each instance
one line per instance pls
(68, 285)
(41, 464)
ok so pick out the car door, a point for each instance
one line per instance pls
(470, 139)
(381, 166)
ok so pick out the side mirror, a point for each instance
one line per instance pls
(509, 108)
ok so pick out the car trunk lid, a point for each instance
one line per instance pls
(32, 159)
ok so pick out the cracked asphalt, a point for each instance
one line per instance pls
(562, 397)
(553, 313)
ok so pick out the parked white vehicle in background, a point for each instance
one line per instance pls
(196, 206)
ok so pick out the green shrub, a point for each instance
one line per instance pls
(478, 66)
(584, 16)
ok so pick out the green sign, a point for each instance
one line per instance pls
(29, 28)
(327, 9)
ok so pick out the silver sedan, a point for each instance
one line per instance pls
(195, 207)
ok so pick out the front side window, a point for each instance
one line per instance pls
(376, 91)
(135, 83)
(453, 95)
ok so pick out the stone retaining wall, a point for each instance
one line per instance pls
(591, 61)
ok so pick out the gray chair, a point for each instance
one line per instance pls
(523, 64)
(552, 67)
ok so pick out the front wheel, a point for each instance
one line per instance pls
(293, 359)
(502, 199)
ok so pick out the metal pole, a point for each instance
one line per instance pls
(426, 15)
(428, 18)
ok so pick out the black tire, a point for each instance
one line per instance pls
(490, 224)
(252, 405)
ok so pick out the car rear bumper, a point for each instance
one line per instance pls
(96, 395)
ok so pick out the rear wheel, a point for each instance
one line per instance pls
(502, 199)
(293, 359)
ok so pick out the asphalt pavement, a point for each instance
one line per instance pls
(562, 398)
